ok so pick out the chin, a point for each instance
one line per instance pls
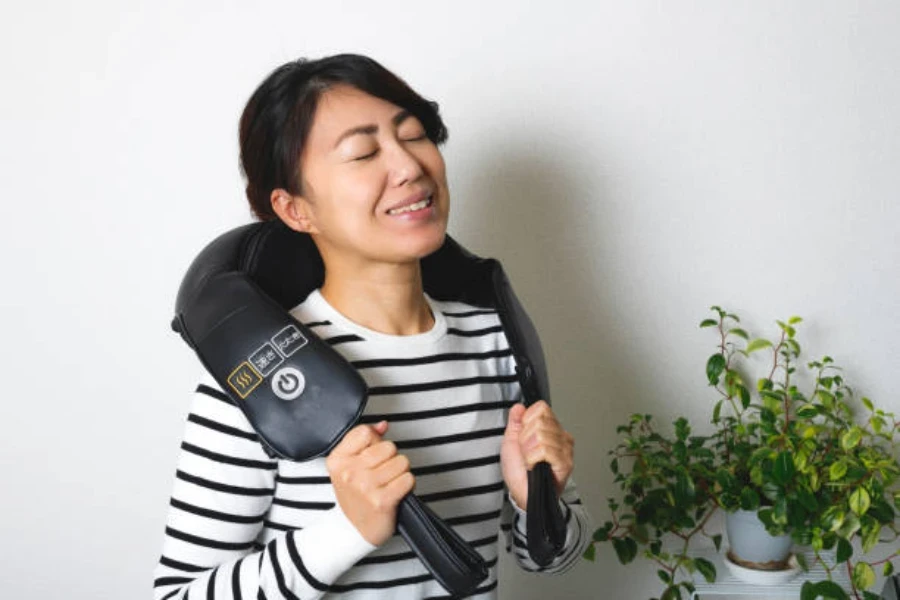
(423, 245)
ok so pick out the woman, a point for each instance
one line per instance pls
(343, 150)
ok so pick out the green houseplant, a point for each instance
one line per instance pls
(795, 447)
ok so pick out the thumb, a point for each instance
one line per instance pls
(514, 423)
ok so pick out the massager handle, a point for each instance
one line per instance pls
(544, 522)
(450, 559)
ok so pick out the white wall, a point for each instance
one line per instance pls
(632, 163)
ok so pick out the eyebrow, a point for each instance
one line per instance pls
(372, 129)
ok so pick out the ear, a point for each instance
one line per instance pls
(294, 211)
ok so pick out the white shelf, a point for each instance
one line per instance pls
(727, 584)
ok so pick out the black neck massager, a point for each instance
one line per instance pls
(301, 396)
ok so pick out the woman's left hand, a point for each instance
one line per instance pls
(534, 435)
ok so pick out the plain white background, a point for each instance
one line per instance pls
(631, 162)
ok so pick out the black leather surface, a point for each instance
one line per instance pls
(233, 302)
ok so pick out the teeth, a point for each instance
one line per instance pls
(411, 207)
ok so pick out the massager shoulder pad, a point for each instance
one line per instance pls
(285, 264)
(297, 392)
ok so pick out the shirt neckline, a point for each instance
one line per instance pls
(319, 304)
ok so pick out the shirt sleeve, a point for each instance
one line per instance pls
(578, 532)
(224, 486)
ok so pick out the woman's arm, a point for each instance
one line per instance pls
(223, 488)
(578, 532)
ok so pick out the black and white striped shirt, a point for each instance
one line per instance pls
(244, 525)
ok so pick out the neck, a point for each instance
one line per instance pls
(385, 298)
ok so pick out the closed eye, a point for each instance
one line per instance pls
(367, 156)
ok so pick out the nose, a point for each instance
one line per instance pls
(404, 166)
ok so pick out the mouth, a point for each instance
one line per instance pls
(422, 204)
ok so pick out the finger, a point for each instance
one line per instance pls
(377, 453)
(399, 487)
(389, 470)
(356, 440)
(539, 432)
(546, 445)
(539, 409)
(514, 421)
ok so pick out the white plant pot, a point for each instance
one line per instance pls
(751, 543)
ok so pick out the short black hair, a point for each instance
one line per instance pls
(277, 119)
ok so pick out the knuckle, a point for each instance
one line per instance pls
(403, 462)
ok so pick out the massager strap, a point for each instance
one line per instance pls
(544, 522)
(453, 562)
(453, 273)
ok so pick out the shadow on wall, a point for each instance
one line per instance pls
(551, 224)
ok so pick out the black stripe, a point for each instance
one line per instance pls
(214, 393)
(568, 559)
(279, 526)
(181, 566)
(376, 585)
(434, 358)
(215, 425)
(279, 574)
(466, 519)
(211, 586)
(202, 541)
(228, 460)
(452, 466)
(481, 590)
(440, 385)
(261, 595)
(222, 487)
(470, 313)
(298, 562)
(172, 593)
(172, 580)
(387, 558)
(236, 580)
(474, 332)
(469, 491)
(303, 505)
(214, 514)
(317, 323)
(438, 412)
(303, 480)
(343, 339)
(449, 439)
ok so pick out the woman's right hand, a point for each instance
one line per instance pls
(369, 479)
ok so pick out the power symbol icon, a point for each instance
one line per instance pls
(288, 383)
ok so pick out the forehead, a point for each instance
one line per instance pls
(344, 107)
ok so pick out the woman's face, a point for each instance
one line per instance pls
(375, 189)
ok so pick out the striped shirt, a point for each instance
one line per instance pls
(244, 525)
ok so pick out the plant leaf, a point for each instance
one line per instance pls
(708, 323)
(783, 468)
(706, 568)
(672, 593)
(837, 470)
(626, 549)
(851, 438)
(717, 541)
(739, 332)
(714, 367)
(590, 553)
(844, 550)
(863, 575)
(860, 501)
(757, 344)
